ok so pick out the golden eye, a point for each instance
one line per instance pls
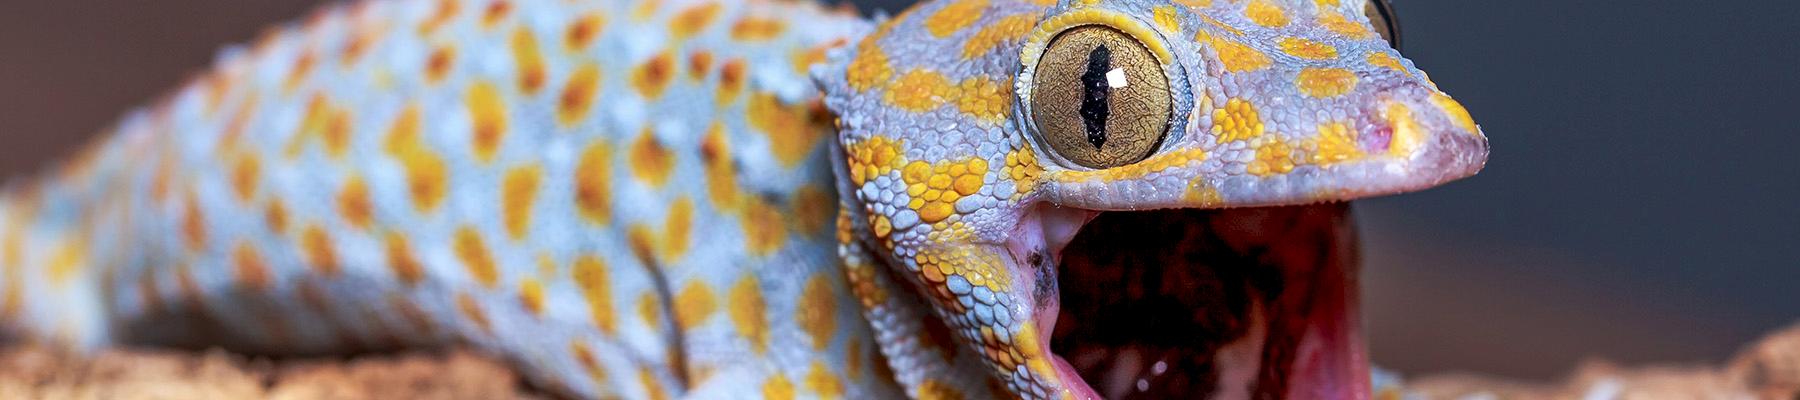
(1381, 14)
(1101, 99)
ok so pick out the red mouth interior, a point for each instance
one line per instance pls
(1248, 303)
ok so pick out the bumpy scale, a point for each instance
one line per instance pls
(638, 199)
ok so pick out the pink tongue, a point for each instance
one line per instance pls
(1331, 360)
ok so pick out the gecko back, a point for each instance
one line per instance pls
(625, 198)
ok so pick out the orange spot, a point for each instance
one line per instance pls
(319, 253)
(919, 91)
(721, 174)
(694, 305)
(816, 312)
(446, 9)
(427, 174)
(954, 17)
(353, 203)
(593, 179)
(487, 115)
(302, 68)
(824, 383)
(586, 357)
(578, 95)
(692, 20)
(518, 194)
(582, 33)
(528, 60)
(495, 12)
(193, 224)
(699, 62)
(653, 76)
(401, 261)
(1006, 30)
(1325, 82)
(731, 80)
(654, 389)
(790, 135)
(252, 273)
(591, 276)
(756, 29)
(813, 208)
(244, 175)
(475, 256)
(870, 67)
(746, 309)
(472, 311)
(438, 64)
(1308, 49)
(777, 387)
(651, 163)
(276, 216)
(412, 313)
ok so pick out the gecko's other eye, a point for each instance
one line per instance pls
(1101, 98)
(1381, 14)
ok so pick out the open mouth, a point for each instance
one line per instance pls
(1222, 304)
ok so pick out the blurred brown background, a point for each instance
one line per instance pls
(1640, 204)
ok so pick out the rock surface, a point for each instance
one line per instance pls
(1769, 369)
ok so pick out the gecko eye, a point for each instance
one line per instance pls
(1381, 14)
(1101, 98)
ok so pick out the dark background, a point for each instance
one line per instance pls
(1642, 202)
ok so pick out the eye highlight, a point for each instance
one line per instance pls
(1381, 14)
(1101, 99)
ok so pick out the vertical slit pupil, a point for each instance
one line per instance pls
(1094, 107)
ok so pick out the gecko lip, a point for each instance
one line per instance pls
(1247, 303)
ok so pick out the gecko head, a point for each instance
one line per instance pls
(999, 157)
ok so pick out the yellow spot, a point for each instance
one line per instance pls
(731, 80)
(487, 116)
(1325, 82)
(1265, 14)
(645, 10)
(585, 356)
(1158, 163)
(1384, 60)
(1022, 167)
(353, 203)
(472, 311)
(812, 208)
(1407, 134)
(777, 387)
(746, 309)
(822, 382)
(873, 157)
(475, 256)
(931, 186)
(1166, 19)
(577, 96)
(1338, 24)
(319, 253)
(1308, 49)
(531, 296)
(1456, 112)
(1202, 194)
(954, 17)
(1195, 4)
(648, 309)
(816, 312)
(276, 216)
(591, 276)
(1273, 157)
(1006, 30)
(764, 226)
(933, 389)
(445, 11)
(1335, 144)
(651, 387)
(692, 20)
(582, 32)
(653, 76)
(870, 67)
(694, 305)
(528, 59)
(496, 11)
(252, 273)
(1237, 57)
(401, 261)
(244, 175)
(427, 175)
(721, 174)
(986, 99)
(919, 91)
(69, 258)
(1238, 120)
(518, 193)
(791, 135)
(676, 229)
(651, 163)
(756, 29)
(593, 177)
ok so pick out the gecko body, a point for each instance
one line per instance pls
(715, 199)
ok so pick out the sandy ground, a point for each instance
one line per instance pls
(1769, 369)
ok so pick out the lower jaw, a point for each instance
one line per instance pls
(1249, 303)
